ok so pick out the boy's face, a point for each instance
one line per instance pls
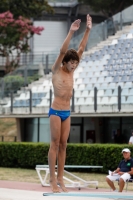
(71, 65)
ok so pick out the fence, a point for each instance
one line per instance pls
(29, 100)
(4, 138)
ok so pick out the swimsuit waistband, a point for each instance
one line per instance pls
(60, 110)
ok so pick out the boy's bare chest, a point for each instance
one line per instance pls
(62, 80)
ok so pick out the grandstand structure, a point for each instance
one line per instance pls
(102, 102)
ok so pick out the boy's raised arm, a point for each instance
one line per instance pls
(84, 40)
(74, 27)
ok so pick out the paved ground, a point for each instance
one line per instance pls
(11, 190)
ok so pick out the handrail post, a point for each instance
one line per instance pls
(72, 108)
(95, 99)
(119, 98)
(50, 98)
(11, 101)
(47, 62)
(30, 103)
(121, 21)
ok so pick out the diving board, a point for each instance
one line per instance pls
(78, 182)
(100, 195)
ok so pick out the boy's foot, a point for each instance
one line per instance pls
(54, 187)
(115, 190)
(62, 185)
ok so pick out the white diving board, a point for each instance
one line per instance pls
(71, 183)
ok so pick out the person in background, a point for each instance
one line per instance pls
(123, 172)
(131, 138)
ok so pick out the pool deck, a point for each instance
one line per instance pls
(13, 190)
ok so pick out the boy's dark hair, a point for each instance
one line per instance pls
(71, 54)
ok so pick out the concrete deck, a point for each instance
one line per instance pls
(12, 190)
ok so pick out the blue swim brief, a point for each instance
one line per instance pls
(63, 114)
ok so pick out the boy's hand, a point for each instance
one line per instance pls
(75, 25)
(89, 22)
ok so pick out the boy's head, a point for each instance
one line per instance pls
(71, 54)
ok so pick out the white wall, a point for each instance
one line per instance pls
(51, 37)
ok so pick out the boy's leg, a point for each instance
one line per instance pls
(55, 128)
(65, 129)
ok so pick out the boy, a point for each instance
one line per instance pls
(59, 113)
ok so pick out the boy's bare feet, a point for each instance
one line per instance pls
(54, 187)
(62, 185)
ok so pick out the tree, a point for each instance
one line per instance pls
(16, 28)
(25, 8)
(108, 7)
(14, 36)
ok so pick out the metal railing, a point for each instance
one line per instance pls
(62, 3)
(7, 138)
(34, 100)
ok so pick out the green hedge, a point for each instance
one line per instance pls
(28, 155)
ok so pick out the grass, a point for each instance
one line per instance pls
(17, 174)
(30, 175)
(8, 129)
(8, 126)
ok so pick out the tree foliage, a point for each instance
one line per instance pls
(14, 36)
(108, 7)
(25, 8)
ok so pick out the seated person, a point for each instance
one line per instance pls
(124, 171)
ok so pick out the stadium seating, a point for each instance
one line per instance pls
(106, 69)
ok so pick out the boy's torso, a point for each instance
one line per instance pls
(63, 89)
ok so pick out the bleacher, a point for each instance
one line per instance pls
(105, 69)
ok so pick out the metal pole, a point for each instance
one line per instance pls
(47, 61)
(105, 34)
(11, 101)
(121, 21)
(119, 98)
(72, 108)
(50, 98)
(30, 101)
(95, 99)
(3, 88)
(38, 135)
(15, 138)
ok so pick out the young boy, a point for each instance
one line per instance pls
(62, 79)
